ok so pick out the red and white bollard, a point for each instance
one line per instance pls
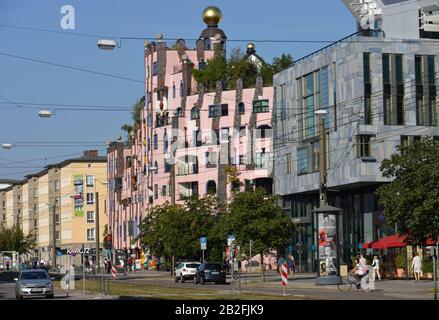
(284, 272)
(113, 273)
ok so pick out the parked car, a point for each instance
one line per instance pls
(33, 282)
(185, 271)
(210, 272)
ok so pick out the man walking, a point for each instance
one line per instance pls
(417, 267)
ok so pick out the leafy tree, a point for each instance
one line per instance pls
(215, 70)
(13, 239)
(174, 230)
(254, 215)
(411, 200)
(282, 63)
(239, 66)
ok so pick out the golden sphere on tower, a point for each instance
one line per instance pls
(250, 45)
(212, 16)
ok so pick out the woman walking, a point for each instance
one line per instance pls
(291, 265)
(376, 267)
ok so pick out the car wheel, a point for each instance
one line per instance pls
(195, 280)
(181, 278)
(176, 279)
(202, 280)
(18, 296)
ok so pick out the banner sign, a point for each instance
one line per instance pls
(327, 242)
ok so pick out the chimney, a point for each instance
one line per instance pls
(90, 153)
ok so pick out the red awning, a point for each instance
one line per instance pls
(393, 241)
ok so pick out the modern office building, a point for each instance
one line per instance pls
(379, 88)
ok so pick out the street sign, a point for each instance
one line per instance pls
(230, 239)
(203, 243)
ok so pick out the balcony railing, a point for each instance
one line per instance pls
(187, 169)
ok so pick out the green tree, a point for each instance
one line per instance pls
(254, 215)
(13, 239)
(411, 200)
(282, 63)
(215, 70)
(239, 66)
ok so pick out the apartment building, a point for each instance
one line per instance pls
(60, 202)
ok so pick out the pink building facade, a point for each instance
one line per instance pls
(190, 142)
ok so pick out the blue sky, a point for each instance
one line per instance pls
(29, 82)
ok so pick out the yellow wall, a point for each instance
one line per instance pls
(43, 211)
(9, 208)
(26, 213)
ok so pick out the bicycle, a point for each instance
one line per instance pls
(346, 283)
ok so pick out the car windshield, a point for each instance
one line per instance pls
(34, 276)
(192, 265)
(215, 267)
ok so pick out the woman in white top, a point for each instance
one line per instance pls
(417, 267)
(376, 267)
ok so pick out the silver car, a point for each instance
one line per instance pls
(33, 282)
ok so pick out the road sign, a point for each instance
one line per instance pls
(203, 243)
(284, 275)
(113, 272)
(230, 239)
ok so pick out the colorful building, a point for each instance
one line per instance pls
(191, 141)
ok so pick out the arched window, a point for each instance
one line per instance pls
(263, 131)
(165, 142)
(211, 187)
(181, 88)
(207, 44)
(195, 113)
(241, 107)
(179, 112)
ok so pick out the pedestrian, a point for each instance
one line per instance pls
(7, 265)
(417, 267)
(34, 263)
(358, 273)
(130, 263)
(280, 262)
(291, 265)
(42, 264)
(376, 267)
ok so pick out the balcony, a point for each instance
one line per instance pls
(187, 169)
(162, 120)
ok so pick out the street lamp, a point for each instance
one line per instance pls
(7, 145)
(107, 44)
(45, 113)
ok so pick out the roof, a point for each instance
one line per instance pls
(8, 181)
(327, 209)
(100, 159)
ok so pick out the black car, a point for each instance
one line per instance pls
(210, 272)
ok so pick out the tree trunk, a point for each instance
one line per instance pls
(262, 267)
(173, 266)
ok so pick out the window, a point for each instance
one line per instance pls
(57, 201)
(165, 142)
(174, 91)
(90, 198)
(224, 134)
(57, 218)
(263, 132)
(364, 146)
(156, 191)
(288, 164)
(214, 111)
(90, 234)
(57, 235)
(35, 223)
(367, 89)
(181, 88)
(164, 191)
(156, 141)
(426, 101)
(195, 113)
(242, 159)
(90, 180)
(167, 166)
(262, 160)
(197, 139)
(156, 167)
(56, 185)
(179, 112)
(393, 85)
(241, 108)
(260, 106)
(35, 207)
(155, 68)
(90, 216)
(211, 160)
(224, 110)
(19, 199)
(215, 136)
(308, 158)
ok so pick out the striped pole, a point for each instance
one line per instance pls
(284, 276)
(113, 272)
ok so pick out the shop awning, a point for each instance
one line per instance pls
(393, 241)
